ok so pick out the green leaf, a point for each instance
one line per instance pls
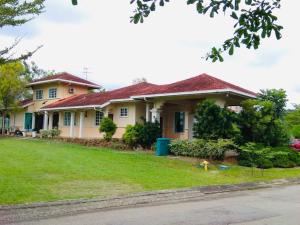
(234, 16)
(278, 34)
(231, 50)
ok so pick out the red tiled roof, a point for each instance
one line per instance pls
(25, 102)
(202, 82)
(103, 97)
(67, 77)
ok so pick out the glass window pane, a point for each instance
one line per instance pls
(179, 122)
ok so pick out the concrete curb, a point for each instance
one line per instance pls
(203, 190)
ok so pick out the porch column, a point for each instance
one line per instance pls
(45, 127)
(72, 124)
(33, 121)
(155, 115)
(81, 122)
(147, 112)
(50, 120)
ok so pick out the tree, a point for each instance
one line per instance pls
(278, 97)
(292, 119)
(32, 71)
(16, 13)
(139, 80)
(254, 20)
(11, 88)
(213, 122)
(259, 122)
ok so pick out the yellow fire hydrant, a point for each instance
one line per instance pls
(205, 164)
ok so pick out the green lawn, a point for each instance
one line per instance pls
(36, 170)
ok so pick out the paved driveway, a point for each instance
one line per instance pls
(279, 205)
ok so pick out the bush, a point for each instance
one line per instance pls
(256, 155)
(211, 149)
(131, 135)
(108, 127)
(50, 133)
(143, 135)
(264, 163)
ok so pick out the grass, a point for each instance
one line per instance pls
(37, 170)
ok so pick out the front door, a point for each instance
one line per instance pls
(55, 120)
(28, 121)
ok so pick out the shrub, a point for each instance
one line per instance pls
(108, 127)
(143, 135)
(211, 149)
(256, 155)
(130, 137)
(50, 133)
(264, 163)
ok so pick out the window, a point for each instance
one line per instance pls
(124, 112)
(39, 94)
(179, 122)
(52, 92)
(98, 118)
(67, 118)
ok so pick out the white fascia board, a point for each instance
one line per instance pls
(71, 108)
(62, 80)
(88, 106)
(215, 91)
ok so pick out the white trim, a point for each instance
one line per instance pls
(90, 106)
(194, 93)
(28, 104)
(62, 80)
(127, 112)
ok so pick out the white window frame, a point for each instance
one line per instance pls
(51, 97)
(98, 117)
(41, 92)
(122, 114)
(68, 120)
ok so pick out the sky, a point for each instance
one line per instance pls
(166, 48)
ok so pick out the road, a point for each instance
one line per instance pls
(278, 205)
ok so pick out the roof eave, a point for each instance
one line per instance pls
(213, 91)
(64, 81)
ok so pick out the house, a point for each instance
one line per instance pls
(68, 103)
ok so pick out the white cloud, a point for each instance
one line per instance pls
(166, 48)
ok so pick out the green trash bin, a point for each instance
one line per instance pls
(162, 146)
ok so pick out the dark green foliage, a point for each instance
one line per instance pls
(258, 156)
(143, 135)
(259, 123)
(254, 20)
(214, 122)
(292, 119)
(278, 97)
(264, 163)
(108, 127)
(200, 148)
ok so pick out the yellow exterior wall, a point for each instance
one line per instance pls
(62, 92)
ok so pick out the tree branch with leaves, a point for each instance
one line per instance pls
(16, 13)
(254, 20)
